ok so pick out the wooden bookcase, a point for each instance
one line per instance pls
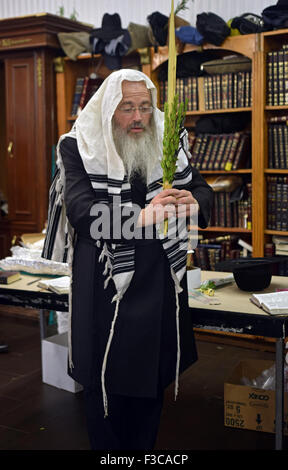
(270, 42)
(254, 46)
(28, 130)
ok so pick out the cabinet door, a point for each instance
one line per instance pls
(20, 138)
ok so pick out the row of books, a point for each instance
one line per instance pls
(227, 213)
(277, 202)
(85, 88)
(281, 245)
(220, 151)
(211, 251)
(271, 249)
(186, 88)
(278, 142)
(277, 76)
(228, 90)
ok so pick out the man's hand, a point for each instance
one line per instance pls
(186, 204)
(167, 203)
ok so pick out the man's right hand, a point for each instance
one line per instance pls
(162, 206)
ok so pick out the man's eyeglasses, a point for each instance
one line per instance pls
(131, 109)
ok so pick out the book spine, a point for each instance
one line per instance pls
(220, 153)
(208, 150)
(77, 95)
(285, 65)
(234, 145)
(83, 95)
(230, 90)
(227, 151)
(243, 152)
(281, 77)
(202, 150)
(214, 152)
(269, 80)
(195, 153)
(224, 88)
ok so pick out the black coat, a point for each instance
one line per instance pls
(143, 351)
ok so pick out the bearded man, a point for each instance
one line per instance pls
(131, 327)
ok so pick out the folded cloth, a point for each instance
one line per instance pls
(74, 43)
(189, 34)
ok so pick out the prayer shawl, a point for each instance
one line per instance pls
(93, 132)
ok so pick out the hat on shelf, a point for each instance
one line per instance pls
(111, 27)
(189, 34)
(159, 28)
(139, 35)
(74, 43)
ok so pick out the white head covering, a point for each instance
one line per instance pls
(94, 125)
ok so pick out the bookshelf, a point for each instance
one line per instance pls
(219, 232)
(273, 113)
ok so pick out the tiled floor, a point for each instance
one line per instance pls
(36, 416)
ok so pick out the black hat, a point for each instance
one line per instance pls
(111, 27)
(282, 3)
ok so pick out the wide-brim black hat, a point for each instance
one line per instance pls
(111, 27)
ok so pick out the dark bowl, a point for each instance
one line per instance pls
(253, 276)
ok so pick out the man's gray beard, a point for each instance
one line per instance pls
(138, 152)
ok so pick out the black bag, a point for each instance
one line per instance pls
(276, 16)
(212, 27)
(188, 65)
(248, 23)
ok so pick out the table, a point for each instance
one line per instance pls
(235, 313)
(26, 293)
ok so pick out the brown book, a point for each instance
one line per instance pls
(92, 87)
(208, 151)
(230, 90)
(83, 95)
(243, 152)
(202, 150)
(224, 88)
(77, 95)
(227, 151)
(232, 152)
(213, 156)
(7, 277)
(195, 151)
(220, 152)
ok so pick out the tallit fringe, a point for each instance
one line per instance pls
(178, 346)
(108, 264)
(178, 289)
(116, 298)
(70, 262)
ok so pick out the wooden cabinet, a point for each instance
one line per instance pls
(28, 126)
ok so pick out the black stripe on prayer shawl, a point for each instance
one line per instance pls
(106, 180)
(102, 196)
(54, 213)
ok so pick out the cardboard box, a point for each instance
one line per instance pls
(193, 278)
(55, 363)
(250, 407)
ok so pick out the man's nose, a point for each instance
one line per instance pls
(137, 116)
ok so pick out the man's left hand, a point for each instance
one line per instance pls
(186, 204)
